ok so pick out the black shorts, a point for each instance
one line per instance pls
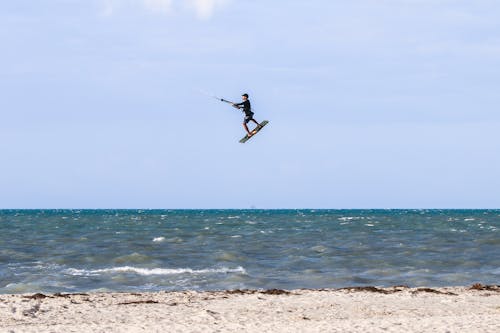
(248, 117)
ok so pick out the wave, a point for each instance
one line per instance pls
(154, 271)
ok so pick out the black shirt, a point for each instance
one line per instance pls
(246, 107)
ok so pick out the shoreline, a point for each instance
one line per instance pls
(351, 309)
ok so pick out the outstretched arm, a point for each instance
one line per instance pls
(238, 105)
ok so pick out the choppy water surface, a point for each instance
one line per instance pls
(130, 250)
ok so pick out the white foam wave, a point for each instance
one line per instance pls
(496, 271)
(158, 239)
(153, 271)
(351, 218)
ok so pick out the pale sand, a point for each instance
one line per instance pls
(400, 310)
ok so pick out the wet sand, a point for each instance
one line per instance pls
(361, 309)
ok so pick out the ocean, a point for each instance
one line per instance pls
(152, 250)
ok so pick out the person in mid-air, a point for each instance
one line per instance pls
(247, 109)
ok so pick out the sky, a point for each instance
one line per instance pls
(371, 103)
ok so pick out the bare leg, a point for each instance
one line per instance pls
(246, 129)
(255, 121)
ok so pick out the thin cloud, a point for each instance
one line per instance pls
(203, 9)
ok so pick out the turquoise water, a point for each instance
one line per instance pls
(135, 250)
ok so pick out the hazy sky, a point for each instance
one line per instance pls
(371, 103)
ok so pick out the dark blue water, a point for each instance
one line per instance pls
(131, 250)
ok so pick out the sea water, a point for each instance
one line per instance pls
(151, 250)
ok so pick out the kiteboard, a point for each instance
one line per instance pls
(255, 131)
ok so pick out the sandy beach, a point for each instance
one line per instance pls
(366, 309)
